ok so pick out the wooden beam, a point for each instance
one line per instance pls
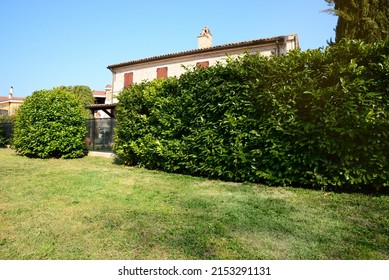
(108, 113)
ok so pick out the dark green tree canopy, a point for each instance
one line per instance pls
(82, 93)
(367, 20)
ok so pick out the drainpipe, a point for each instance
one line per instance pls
(112, 85)
(295, 42)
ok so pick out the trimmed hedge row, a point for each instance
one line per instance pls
(315, 119)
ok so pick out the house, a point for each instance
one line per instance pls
(9, 105)
(162, 66)
(101, 95)
(99, 109)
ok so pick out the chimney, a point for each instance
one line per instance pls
(205, 39)
(108, 94)
(11, 93)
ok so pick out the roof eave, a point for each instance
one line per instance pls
(101, 106)
(232, 46)
(12, 101)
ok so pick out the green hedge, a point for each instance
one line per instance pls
(315, 119)
(6, 124)
(3, 140)
(50, 124)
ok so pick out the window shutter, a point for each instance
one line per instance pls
(161, 72)
(204, 64)
(128, 79)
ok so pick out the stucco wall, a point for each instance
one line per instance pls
(11, 106)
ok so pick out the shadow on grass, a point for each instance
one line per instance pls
(209, 230)
(250, 228)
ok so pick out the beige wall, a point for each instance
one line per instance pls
(11, 106)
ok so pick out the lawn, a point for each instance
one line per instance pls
(90, 208)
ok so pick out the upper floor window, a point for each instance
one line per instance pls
(161, 72)
(204, 64)
(128, 79)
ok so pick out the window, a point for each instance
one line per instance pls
(161, 72)
(204, 64)
(128, 79)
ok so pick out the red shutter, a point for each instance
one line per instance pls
(161, 72)
(204, 64)
(128, 79)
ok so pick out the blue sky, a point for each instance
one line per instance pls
(46, 43)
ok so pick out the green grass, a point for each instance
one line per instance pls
(90, 208)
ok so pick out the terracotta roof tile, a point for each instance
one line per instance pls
(6, 98)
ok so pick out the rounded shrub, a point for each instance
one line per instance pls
(50, 124)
